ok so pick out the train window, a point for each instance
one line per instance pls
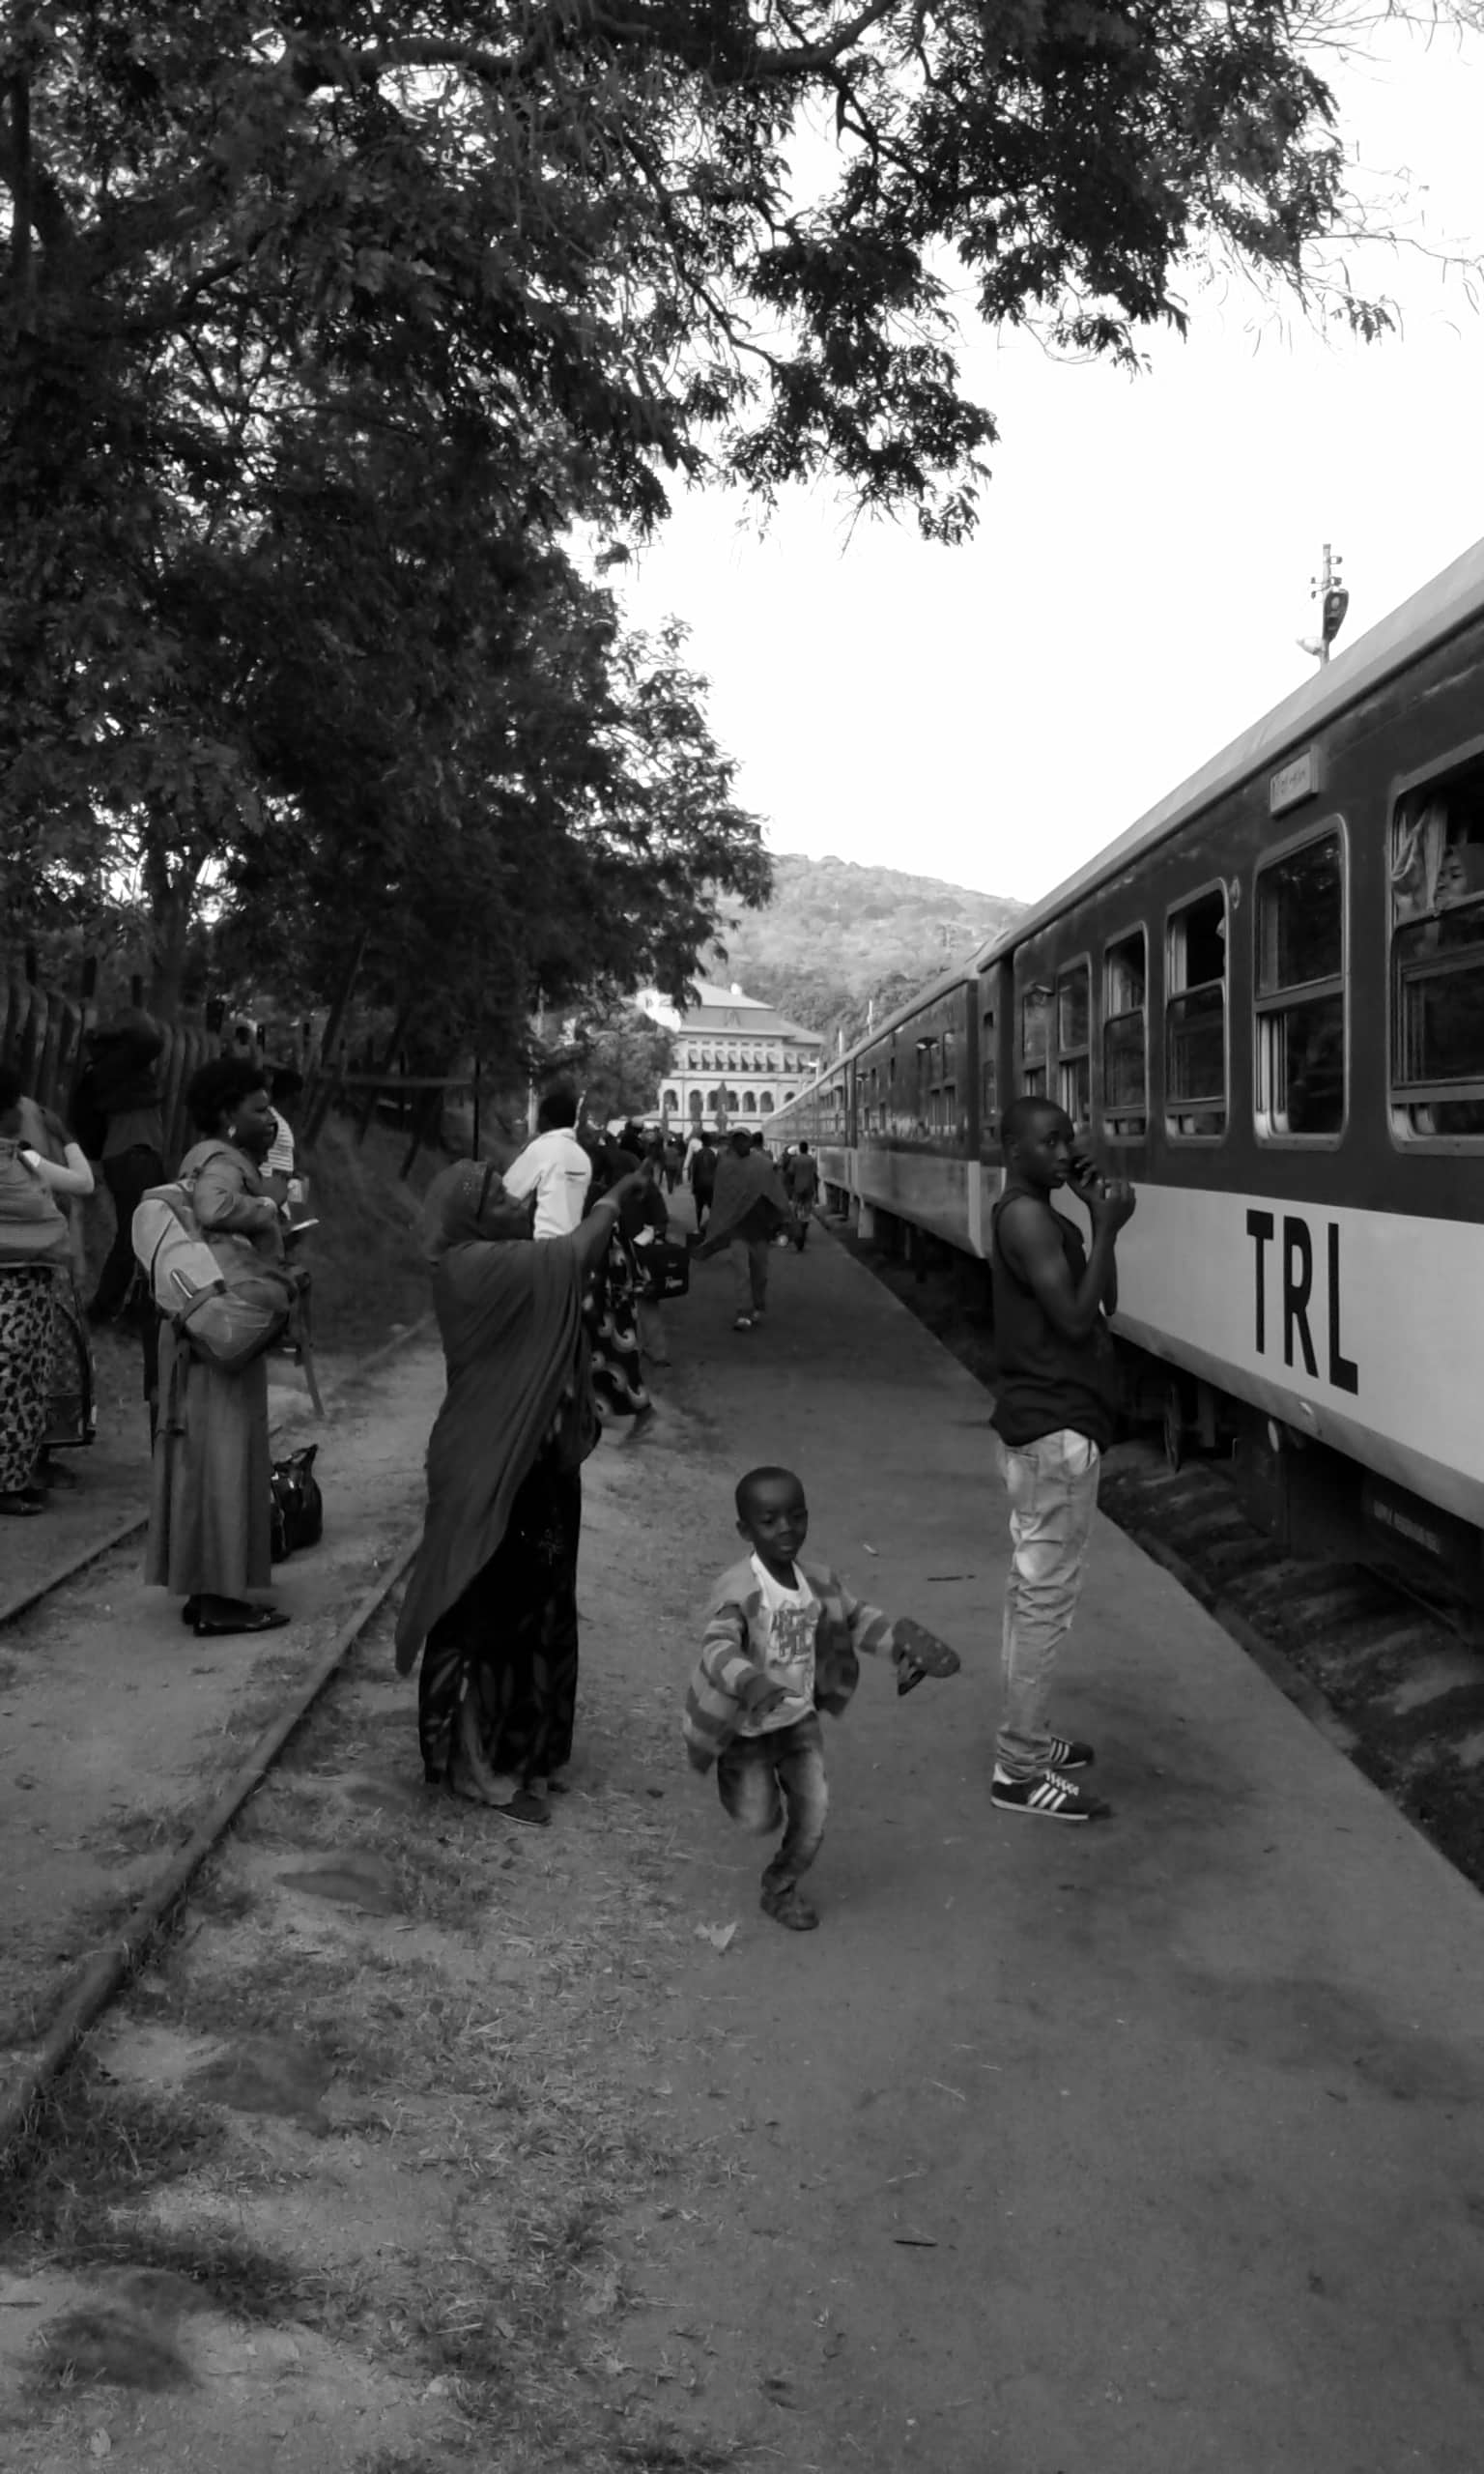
(1301, 990)
(1035, 1040)
(1195, 1017)
(1073, 1043)
(1438, 956)
(1125, 1036)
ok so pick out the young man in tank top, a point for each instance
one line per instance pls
(1054, 1411)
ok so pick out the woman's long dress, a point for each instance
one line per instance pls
(510, 1644)
(25, 1367)
(210, 1502)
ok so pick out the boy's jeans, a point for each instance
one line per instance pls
(761, 1777)
(750, 1274)
(1053, 1484)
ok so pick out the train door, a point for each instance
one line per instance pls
(995, 1000)
(996, 1026)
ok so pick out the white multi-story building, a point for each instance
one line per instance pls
(735, 1057)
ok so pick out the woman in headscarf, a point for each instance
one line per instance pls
(33, 1245)
(492, 1601)
(212, 1505)
(61, 1164)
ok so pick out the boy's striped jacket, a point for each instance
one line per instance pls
(728, 1680)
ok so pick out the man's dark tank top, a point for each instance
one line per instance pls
(1045, 1382)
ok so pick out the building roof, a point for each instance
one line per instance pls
(719, 1010)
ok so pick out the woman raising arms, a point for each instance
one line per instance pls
(492, 1602)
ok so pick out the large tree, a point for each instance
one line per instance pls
(262, 259)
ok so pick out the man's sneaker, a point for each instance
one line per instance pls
(1048, 1794)
(1066, 1753)
(743, 1323)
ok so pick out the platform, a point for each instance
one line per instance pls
(1146, 2147)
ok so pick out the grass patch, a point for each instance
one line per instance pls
(92, 2147)
(108, 2341)
(76, 2198)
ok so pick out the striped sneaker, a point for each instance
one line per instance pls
(1066, 1753)
(1048, 1794)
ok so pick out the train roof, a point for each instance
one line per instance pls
(1439, 611)
(1443, 606)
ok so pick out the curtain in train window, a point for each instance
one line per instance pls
(1438, 956)
(1301, 990)
(1073, 1043)
(1035, 1040)
(1195, 1017)
(1124, 1049)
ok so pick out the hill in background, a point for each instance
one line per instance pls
(836, 935)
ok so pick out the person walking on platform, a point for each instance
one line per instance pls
(801, 1180)
(781, 1643)
(702, 1176)
(748, 1205)
(1053, 1413)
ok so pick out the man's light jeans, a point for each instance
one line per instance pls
(1052, 1486)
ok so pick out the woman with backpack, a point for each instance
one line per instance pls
(211, 1510)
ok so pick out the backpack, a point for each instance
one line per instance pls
(227, 1303)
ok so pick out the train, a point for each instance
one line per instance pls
(1263, 1003)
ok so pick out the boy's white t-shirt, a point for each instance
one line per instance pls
(783, 1642)
(556, 1170)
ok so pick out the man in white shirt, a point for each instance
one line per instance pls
(553, 1167)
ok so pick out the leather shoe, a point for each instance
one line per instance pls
(251, 1619)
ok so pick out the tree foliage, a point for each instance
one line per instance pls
(320, 324)
(619, 1057)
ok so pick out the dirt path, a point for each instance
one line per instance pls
(117, 1726)
(432, 2141)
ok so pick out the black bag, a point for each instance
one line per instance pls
(299, 1506)
(666, 1270)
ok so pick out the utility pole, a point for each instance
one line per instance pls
(1328, 591)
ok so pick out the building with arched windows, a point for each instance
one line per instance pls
(735, 1060)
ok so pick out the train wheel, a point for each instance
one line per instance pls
(1174, 1428)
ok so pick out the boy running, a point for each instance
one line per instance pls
(781, 1643)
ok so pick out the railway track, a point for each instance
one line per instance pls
(1389, 1682)
(64, 2015)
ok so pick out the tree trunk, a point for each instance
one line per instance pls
(321, 1084)
(170, 917)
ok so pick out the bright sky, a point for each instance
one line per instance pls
(993, 714)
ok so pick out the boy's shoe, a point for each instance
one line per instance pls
(788, 1907)
(1047, 1793)
(743, 1323)
(1066, 1753)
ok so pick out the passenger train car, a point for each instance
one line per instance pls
(1265, 1004)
